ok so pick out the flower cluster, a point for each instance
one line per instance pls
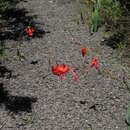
(95, 62)
(62, 69)
(30, 30)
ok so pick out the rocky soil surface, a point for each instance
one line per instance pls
(32, 98)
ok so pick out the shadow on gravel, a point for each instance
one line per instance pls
(7, 73)
(4, 72)
(15, 103)
(114, 40)
(16, 21)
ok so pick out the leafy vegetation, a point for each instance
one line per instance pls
(108, 14)
(101, 12)
(4, 5)
(128, 117)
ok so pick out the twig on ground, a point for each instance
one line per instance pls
(125, 80)
(46, 75)
(5, 121)
(49, 59)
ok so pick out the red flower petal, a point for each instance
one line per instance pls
(94, 62)
(75, 75)
(54, 70)
(61, 77)
(60, 69)
(30, 30)
(83, 51)
(96, 65)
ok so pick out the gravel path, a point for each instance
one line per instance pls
(97, 101)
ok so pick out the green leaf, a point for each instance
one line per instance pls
(128, 127)
(99, 3)
(30, 119)
(95, 19)
(128, 115)
(106, 35)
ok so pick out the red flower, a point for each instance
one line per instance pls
(60, 70)
(30, 30)
(94, 62)
(84, 51)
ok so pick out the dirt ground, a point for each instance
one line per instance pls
(32, 98)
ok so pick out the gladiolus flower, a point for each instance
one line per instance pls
(60, 70)
(84, 51)
(29, 30)
(94, 62)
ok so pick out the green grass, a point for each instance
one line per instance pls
(121, 47)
